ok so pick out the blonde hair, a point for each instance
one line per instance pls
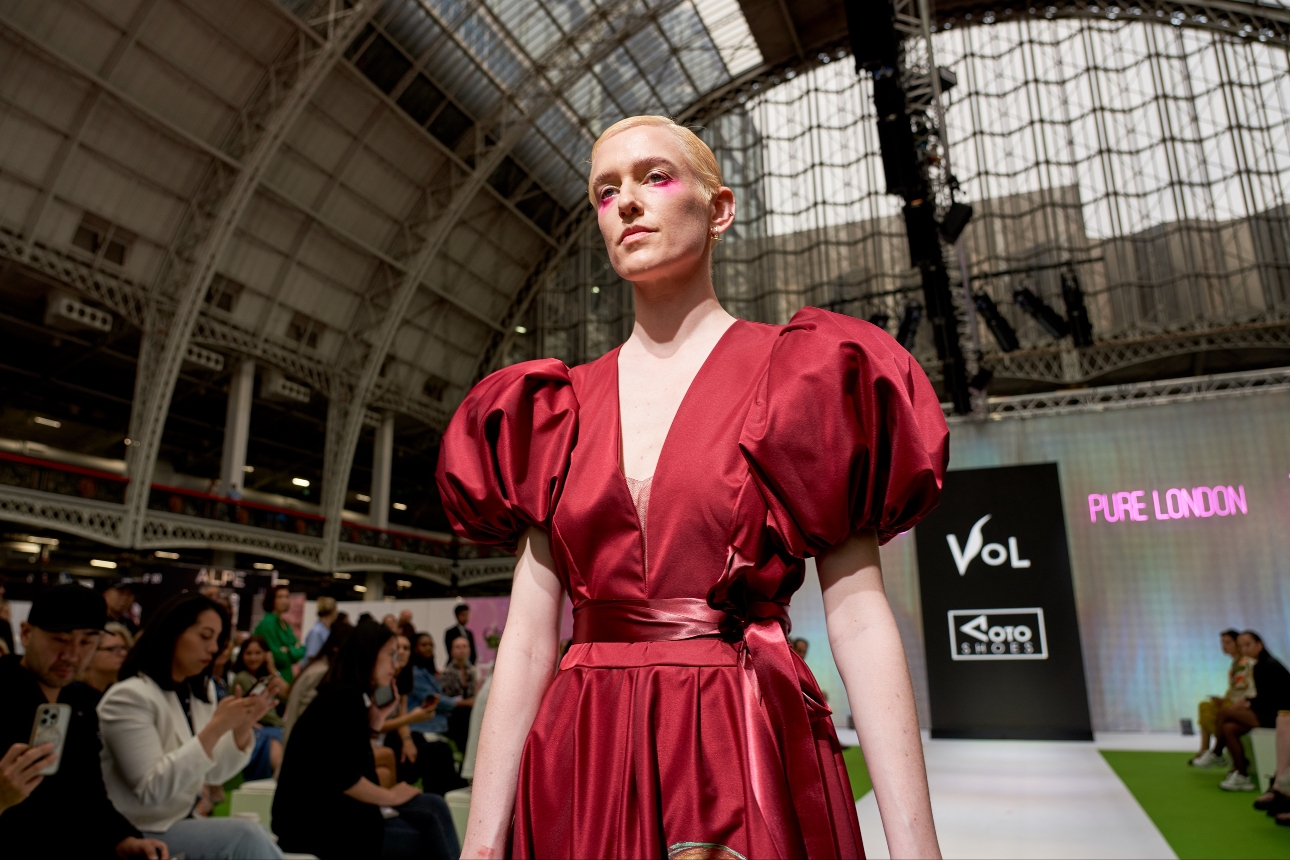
(697, 153)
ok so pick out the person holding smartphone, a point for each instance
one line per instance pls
(166, 735)
(42, 792)
(252, 673)
(329, 802)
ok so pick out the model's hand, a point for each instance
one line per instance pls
(20, 772)
(133, 846)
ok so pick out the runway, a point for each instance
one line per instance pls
(1031, 799)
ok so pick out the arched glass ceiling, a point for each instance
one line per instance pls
(1156, 158)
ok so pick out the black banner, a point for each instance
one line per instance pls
(1002, 640)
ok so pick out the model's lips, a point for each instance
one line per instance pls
(633, 231)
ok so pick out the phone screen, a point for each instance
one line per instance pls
(384, 695)
(260, 687)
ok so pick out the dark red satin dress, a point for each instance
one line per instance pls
(681, 724)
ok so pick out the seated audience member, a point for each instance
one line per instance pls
(462, 611)
(165, 736)
(305, 689)
(283, 644)
(1276, 802)
(1238, 689)
(106, 664)
(430, 761)
(120, 603)
(317, 635)
(801, 646)
(254, 664)
(1271, 694)
(425, 686)
(66, 814)
(328, 801)
(460, 680)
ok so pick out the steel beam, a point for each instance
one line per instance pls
(216, 213)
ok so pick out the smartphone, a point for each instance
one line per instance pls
(260, 687)
(383, 696)
(50, 727)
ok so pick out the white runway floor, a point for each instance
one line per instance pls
(1027, 799)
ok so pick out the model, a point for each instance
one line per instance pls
(673, 488)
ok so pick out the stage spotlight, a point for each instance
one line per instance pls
(1051, 321)
(880, 319)
(909, 325)
(999, 327)
(1076, 312)
(955, 220)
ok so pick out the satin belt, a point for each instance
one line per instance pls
(771, 679)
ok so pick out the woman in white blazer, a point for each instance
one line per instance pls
(165, 735)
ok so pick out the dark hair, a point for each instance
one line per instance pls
(271, 596)
(340, 631)
(1230, 633)
(1257, 638)
(460, 608)
(405, 679)
(154, 651)
(240, 665)
(417, 659)
(453, 641)
(357, 657)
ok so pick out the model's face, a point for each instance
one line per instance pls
(281, 601)
(384, 671)
(57, 658)
(1230, 647)
(110, 654)
(404, 651)
(651, 207)
(460, 650)
(253, 656)
(196, 647)
(425, 647)
(1250, 647)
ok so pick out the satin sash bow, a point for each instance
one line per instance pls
(772, 677)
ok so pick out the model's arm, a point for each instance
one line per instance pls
(866, 647)
(526, 661)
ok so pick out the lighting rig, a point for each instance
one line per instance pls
(891, 42)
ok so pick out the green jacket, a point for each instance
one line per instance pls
(283, 644)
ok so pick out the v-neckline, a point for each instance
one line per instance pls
(685, 399)
(667, 438)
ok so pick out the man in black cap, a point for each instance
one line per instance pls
(462, 611)
(67, 814)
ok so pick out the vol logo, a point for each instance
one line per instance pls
(992, 554)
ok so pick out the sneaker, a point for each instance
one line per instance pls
(1237, 781)
(1205, 759)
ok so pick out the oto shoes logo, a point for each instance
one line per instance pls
(992, 554)
(998, 634)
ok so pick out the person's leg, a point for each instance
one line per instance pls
(402, 841)
(1205, 714)
(1283, 754)
(386, 766)
(219, 839)
(430, 815)
(438, 768)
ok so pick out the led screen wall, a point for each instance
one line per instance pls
(1151, 593)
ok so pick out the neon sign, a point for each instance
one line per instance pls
(1177, 504)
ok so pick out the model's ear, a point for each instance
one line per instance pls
(723, 210)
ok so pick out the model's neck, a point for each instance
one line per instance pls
(670, 310)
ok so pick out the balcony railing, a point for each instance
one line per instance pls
(190, 503)
(61, 479)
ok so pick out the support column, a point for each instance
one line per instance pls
(375, 586)
(382, 466)
(237, 429)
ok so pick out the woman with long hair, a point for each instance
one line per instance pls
(1271, 683)
(329, 800)
(166, 735)
(255, 663)
(673, 489)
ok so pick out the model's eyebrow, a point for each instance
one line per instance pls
(603, 177)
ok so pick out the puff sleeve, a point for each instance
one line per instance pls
(506, 452)
(846, 433)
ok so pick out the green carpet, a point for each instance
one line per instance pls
(1198, 819)
(860, 784)
(221, 809)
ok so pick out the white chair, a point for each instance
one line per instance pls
(255, 797)
(459, 805)
(1264, 744)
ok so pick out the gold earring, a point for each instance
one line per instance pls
(716, 234)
